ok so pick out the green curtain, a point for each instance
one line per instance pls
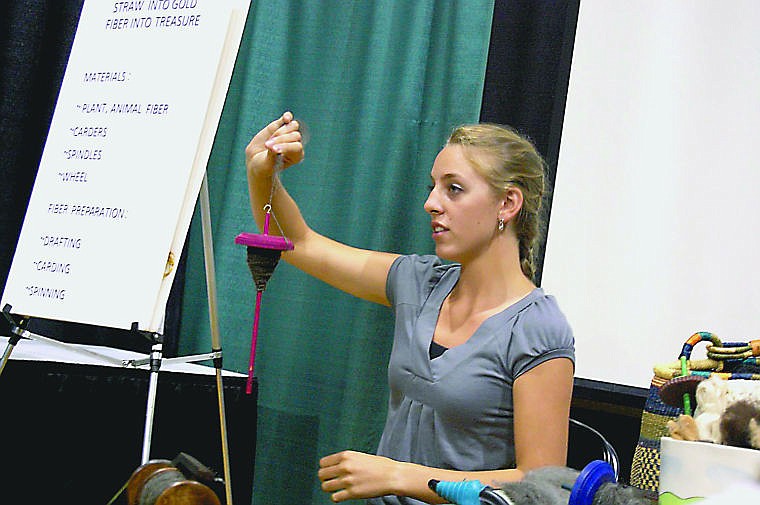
(379, 84)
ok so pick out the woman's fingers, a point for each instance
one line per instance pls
(278, 123)
(279, 140)
(272, 130)
(326, 474)
(279, 137)
(332, 470)
(332, 485)
(282, 125)
(287, 141)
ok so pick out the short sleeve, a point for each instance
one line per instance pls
(412, 277)
(540, 333)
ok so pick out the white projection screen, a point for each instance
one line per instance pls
(654, 231)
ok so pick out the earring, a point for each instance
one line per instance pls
(501, 224)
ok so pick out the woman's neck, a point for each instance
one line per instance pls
(492, 281)
(482, 291)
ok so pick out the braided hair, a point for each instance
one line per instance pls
(507, 159)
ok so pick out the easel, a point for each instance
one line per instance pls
(19, 331)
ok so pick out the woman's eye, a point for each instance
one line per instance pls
(451, 188)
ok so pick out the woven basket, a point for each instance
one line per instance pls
(734, 360)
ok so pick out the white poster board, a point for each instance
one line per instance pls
(653, 231)
(124, 160)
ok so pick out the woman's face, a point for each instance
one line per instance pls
(463, 208)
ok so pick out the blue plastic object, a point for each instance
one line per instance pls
(589, 481)
(466, 492)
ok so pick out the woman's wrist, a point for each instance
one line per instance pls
(258, 173)
(410, 479)
(397, 478)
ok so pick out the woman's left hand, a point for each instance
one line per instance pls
(352, 475)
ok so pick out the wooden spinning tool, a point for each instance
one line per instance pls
(673, 391)
(160, 482)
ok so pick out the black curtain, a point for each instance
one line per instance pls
(527, 76)
(35, 42)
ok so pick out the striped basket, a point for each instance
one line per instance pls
(645, 468)
(734, 360)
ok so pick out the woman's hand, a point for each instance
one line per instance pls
(352, 475)
(281, 137)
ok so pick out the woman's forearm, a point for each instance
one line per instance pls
(413, 480)
(351, 475)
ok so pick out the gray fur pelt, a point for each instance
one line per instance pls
(552, 486)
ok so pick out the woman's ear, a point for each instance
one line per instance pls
(511, 203)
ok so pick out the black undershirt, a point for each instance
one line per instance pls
(436, 349)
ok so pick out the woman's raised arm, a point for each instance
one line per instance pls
(359, 272)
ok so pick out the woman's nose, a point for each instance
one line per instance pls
(431, 206)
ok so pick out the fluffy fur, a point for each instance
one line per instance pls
(683, 428)
(714, 396)
(740, 425)
(552, 486)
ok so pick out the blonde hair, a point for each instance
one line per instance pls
(506, 159)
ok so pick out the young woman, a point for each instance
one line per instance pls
(481, 369)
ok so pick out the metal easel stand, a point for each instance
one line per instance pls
(216, 354)
(19, 331)
(16, 335)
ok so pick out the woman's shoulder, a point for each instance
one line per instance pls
(542, 316)
(540, 332)
(420, 266)
(418, 273)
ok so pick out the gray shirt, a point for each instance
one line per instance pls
(455, 411)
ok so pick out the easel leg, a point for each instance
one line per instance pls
(12, 341)
(155, 365)
(208, 255)
(16, 331)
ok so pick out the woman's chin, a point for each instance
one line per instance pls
(445, 253)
